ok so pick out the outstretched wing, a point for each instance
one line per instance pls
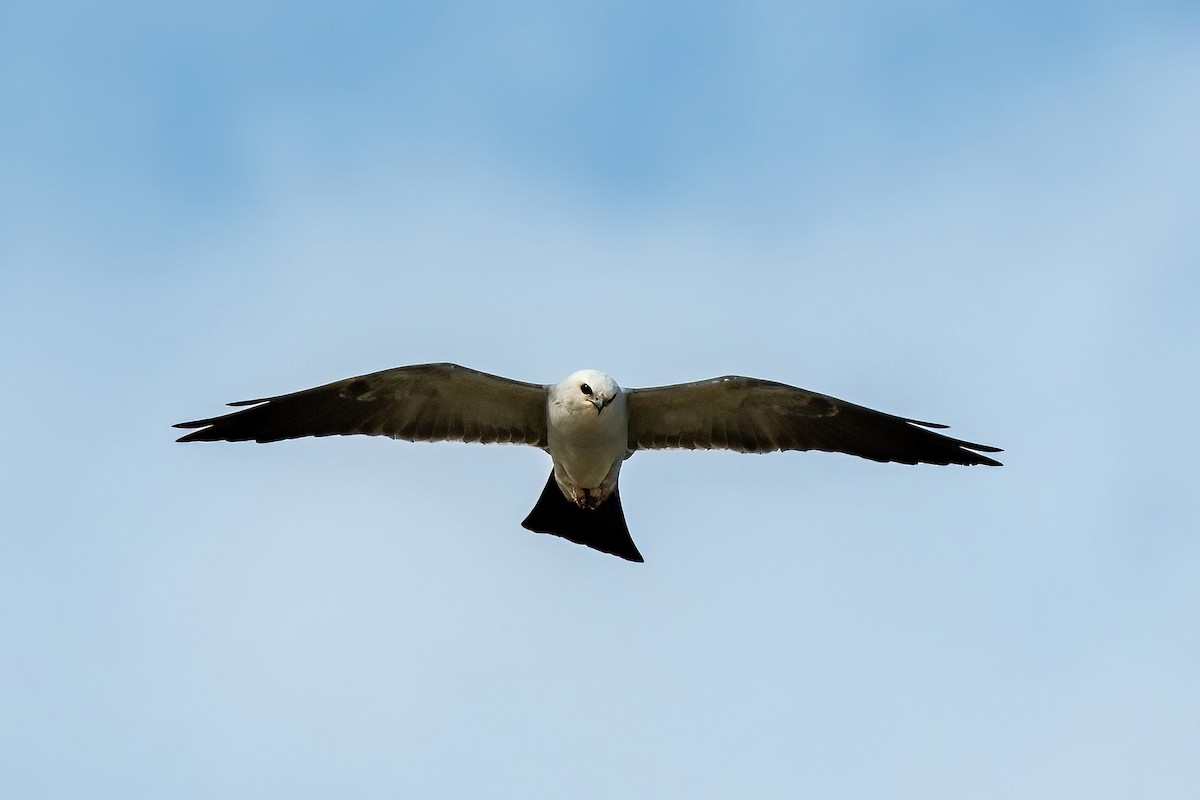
(427, 403)
(757, 416)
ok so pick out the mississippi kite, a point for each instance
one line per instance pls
(589, 425)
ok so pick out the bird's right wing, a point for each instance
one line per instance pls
(756, 416)
(427, 403)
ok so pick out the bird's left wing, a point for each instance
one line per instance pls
(426, 403)
(756, 416)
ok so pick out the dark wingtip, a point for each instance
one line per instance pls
(196, 435)
(980, 458)
(972, 450)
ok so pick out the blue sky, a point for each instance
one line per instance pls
(980, 214)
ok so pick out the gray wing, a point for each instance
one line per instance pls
(756, 416)
(426, 403)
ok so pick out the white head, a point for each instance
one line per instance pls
(586, 389)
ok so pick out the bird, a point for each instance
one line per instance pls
(589, 426)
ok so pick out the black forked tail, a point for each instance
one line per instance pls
(602, 529)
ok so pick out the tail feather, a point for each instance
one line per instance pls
(601, 529)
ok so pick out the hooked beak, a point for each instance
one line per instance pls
(601, 403)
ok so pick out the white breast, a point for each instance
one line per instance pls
(587, 447)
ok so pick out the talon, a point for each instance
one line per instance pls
(588, 499)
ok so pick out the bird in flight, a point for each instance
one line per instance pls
(589, 425)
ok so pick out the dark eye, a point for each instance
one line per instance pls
(586, 389)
